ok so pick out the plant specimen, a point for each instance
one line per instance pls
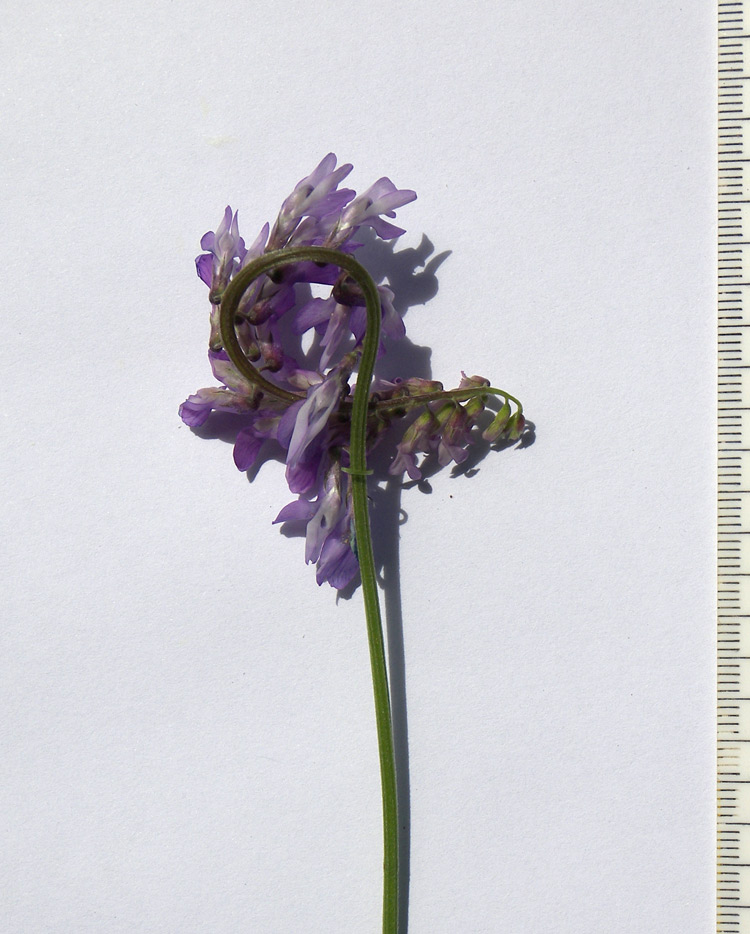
(326, 426)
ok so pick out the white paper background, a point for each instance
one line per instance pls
(187, 737)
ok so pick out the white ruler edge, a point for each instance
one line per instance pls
(733, 680)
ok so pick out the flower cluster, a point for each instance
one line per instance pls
(309, 415)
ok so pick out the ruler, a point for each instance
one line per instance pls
(733, 677)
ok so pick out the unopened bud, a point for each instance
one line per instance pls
(347, 292)
(260, 312)
(474, 407)
(273, 356)
(444, 412)
(516, 426)
(252, 351)
(416, 386)
(472, 382)
(498, 424)
(417, 435)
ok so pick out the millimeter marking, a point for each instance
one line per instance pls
(733, 563)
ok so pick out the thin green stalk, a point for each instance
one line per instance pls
(358, 478)
(456, 395)
(230, 301)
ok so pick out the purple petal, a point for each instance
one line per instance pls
(224, 225)
(313, 196)
(324, 177)
(328, 514)
(338, 563)
(383, 229)
(196, 408)
(246, 448)
(326, 165)
(194, 411)
(379, 189)
(405, 461)
(331, 203)
(204, 265)
(258, 244)
(358, 322)
(388, 203)
(226, 372)
(450, 452)
(286, 425)
(311, 272)
(315, 312)
(393, 324)
(335, 333)
(303, 379)
(301, 510)
(283, 301)
(313, 416)
(385, 197)
(302, 475)
(472, 382)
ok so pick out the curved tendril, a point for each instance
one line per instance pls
(230, 301)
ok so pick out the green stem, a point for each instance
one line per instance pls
(358, 472)
(358, 478)
(457, 395)
(230, 301)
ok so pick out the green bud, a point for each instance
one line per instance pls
(516, 426)
(422, 426)
(444, 412)
(474, 406)
(498, 424)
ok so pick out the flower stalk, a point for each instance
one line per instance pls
(326, 429)
(362, 536)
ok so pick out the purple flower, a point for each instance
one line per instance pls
(196, 408)
(237, 395)
(253, 252)
(250, 440)
(338, 563)
(328, 539)
(314, 197)
(453, 434)
(418, 437)
(336, 320)
(328, 515)
(380, 198)
(305, 424)
(226, 251)
(443, 428)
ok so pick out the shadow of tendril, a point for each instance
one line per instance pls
(411, 274)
